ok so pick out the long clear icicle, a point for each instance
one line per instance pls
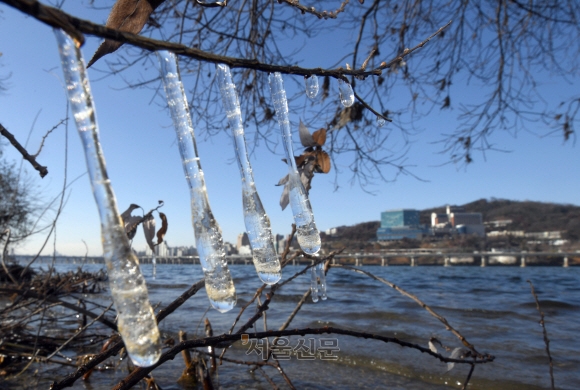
(136, 321)
(314, 283)
(210, 246)
(322, 277)
(255, 217)
(306, 231)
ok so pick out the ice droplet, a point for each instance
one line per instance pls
(255, 217)
(311, 83)
(314, 284)
(381, 121)
(346, 93)
(219, 285)
(135, 318)
(322, 277)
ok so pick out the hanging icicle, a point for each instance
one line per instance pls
(346, 93)
(311, 83)
(210, 247)
(306, 231)
(322, 277)
(255, 217)
(136, 320)
(314, 284)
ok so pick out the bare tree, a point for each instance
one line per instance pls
(502, 48)
(17, 204)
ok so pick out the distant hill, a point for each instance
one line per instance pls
(527, 216)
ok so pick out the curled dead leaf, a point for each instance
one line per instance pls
(305, 137)
(322, 162)
(163, 230)
(319, 137)
(131, 223)
(126, 15)
(149, 231)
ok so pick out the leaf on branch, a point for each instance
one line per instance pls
(129, 16)
(130, 222)
(319, 136)
(432, 347)
(456, 354)
(161, 232)
(306, 139)
(149, 231)
(322, 162)
(314, 159)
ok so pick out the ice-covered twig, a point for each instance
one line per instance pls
(212, 256)
(136, 320)
(255, 217)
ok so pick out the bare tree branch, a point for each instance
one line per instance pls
(42, 170)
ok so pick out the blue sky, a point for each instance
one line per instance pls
(144, 166)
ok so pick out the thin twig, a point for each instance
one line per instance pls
(546, 340)
(42, 170)
(468, 377)
(46, 136)
(79, 332)
(140, 372)
(53, 299)
(70, 379)
(55, 17)
(413, 297)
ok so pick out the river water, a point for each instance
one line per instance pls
(492, 307)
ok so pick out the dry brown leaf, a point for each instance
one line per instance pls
(322, 161)
(161, 232)
(129, 16)
(319, 136)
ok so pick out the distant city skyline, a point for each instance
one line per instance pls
(144, 167)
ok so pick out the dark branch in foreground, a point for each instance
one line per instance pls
(53, 299)
(546, 340)
(70, 379)
(73, 25)
(41, 169)
(141, 372)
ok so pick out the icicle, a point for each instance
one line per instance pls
(210, 247)
(306, 231)
(380, 121)
(136, 320)
(346, 93)
(311, 83)
(255, 217)
(322, 277)
(314, 283)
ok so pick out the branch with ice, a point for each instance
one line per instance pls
(255, 217)
(212, 256)
(136, 320)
